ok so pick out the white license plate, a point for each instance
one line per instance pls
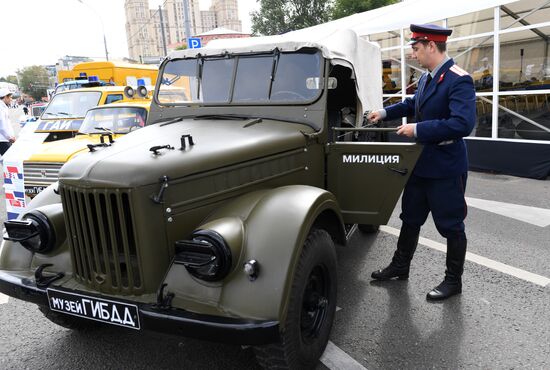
(98, 309)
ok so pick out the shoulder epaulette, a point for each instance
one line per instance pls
(457, 70)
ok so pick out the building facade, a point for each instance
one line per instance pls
(227, 14)
(176, 19)
(143, 25)
(158, 29)
(209, 20)
(139, 30)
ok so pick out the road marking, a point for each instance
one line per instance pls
(3, 298)
(483, 261)
(533, 215)
(335, 358)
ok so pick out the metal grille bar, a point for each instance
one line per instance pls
(41, 173)
(102, 239)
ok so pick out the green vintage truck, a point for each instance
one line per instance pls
(219, 219)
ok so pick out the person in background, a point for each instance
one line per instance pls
(7, 136)
(444, 107)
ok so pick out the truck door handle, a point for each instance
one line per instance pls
(400, 171)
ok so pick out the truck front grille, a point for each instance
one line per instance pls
(102, 239)
(41, 173)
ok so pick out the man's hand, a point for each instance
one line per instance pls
(12, 139)
(374, 116)
(406, 129)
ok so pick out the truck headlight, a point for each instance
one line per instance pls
(40, 230)
(207, 256)
(33, 231)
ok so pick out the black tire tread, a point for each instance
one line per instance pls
(282, 355)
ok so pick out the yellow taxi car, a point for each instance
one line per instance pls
(101, 124)
(64, 114)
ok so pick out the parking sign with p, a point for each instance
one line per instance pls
(194, 43)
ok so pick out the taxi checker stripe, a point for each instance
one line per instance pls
(459, 71)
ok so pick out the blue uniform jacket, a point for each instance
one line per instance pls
(444, 113)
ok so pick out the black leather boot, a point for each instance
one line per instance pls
(401, 261)
(452, 285)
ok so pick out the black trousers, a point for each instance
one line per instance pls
(444, 198)
(4, 146)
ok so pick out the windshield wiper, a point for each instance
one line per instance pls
(274, 65)
(170, 121)
(222, 117)
(104, 130)
(204, 116)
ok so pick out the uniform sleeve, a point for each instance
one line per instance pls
(403, 109)
(462, 107)
(5, 126)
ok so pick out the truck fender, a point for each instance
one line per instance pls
(276, 223)
(13, 256)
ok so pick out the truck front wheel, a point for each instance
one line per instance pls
(312, 304)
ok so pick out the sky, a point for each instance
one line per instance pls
(39, 32)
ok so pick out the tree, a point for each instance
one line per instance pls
(34, 80)
(343, 8)
(280, 16)
(12, 79)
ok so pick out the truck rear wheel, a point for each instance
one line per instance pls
(305, 332)
(68, 321)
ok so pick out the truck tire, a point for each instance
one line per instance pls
(368, 229)
(68, 321)
(312, 304)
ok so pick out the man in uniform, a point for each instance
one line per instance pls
(7, 137)
(445, 112)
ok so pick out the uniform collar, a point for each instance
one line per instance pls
(438, 67)
(2, 104)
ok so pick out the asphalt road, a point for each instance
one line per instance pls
(499, 322)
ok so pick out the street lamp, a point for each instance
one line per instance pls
(102, 26)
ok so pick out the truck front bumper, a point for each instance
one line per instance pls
(171, 320)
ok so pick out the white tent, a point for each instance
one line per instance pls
(402, 14)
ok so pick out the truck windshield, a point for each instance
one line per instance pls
(119, 120)
(71, 104)
(259, 79)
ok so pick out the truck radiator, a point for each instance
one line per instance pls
(41, 173)
(102, 239)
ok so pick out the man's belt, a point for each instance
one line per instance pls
(447, 142)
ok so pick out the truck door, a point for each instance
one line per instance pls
(367, 178)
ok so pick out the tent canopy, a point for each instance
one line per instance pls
(402, 14)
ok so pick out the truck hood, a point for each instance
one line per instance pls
(62, 150)
(129, 162)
